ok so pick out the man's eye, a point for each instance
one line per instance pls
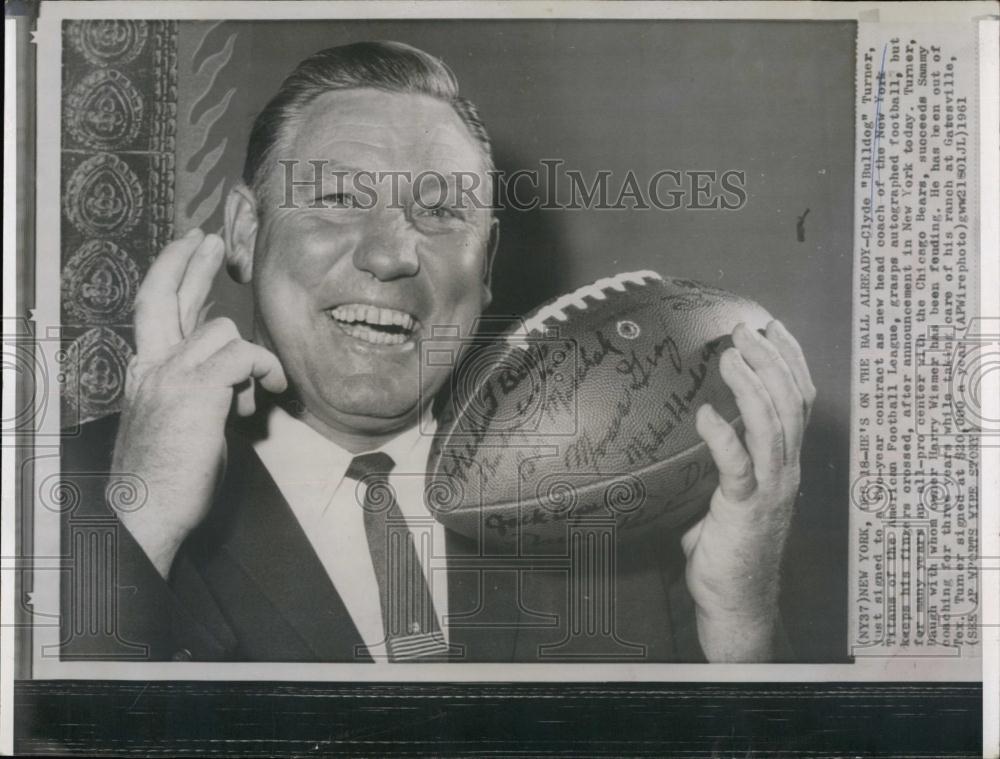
(339, 200)
(443, 213)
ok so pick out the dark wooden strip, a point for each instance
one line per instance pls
(654, 719)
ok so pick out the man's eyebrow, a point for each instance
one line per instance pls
(341, 168)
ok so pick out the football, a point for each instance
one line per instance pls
(585, 412)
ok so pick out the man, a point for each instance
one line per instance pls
(259, 461)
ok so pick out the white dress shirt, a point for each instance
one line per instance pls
(309, 471)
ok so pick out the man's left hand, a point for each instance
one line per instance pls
(734, 553)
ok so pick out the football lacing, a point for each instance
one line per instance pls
(578, 299)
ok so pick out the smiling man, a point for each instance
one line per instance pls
(262, 459)
(344, 287)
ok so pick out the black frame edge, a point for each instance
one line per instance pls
(510, 719)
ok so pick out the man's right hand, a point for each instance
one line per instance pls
(178, 393)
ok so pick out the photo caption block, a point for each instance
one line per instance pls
(917, 345)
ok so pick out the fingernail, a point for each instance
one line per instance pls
(754, 334)
(193, 232)
(746, 333)
(711, 413)
(205, 310)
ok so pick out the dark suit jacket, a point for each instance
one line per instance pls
(247, 586)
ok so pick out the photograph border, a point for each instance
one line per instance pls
(679, 688)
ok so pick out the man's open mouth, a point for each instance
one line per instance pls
(374, 324)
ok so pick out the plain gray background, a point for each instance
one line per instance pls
(773, 99)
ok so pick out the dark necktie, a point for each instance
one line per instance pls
(411, 626)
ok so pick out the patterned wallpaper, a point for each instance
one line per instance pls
(119, 114)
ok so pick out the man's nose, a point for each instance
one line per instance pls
(388, 250)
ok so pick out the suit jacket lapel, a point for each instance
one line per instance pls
(268, 555)
(263, 539)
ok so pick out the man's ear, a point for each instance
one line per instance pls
(491, 251)
(241, 232)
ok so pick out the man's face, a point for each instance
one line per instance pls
(344, 293)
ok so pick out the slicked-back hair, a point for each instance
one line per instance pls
(387, 66)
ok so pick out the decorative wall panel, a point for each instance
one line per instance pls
(119, 114)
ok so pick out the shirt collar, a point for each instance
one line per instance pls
(296, 454)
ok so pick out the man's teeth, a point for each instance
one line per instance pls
(360, 321)
(370, 335)
(356, 312)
